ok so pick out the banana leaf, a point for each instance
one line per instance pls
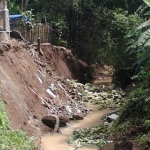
(128, 49)
(143, 25)
(143, 38)
(145, 56)
(147, 43)
(142, 9)
(147, 2)
(130, 33)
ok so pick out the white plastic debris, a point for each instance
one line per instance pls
(68, 108)
(41, 73)
(112, 117)
(67, 80)
(51, 93)
(78, 111)
(109, 141)
(52, 87)
(40, 80)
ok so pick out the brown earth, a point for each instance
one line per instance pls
(25, 77)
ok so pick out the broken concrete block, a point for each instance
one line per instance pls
(112, 117)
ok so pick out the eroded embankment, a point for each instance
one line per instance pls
(37, 89)
(34, 86)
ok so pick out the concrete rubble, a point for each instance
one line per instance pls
(112, 117)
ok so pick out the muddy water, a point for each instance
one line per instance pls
(60, 141)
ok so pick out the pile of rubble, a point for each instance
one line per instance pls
(39, 74)
(60, 102)
(106, 96)
(60, 111)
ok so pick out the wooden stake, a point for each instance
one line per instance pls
(39, 47)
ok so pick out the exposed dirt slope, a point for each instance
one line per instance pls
(25, 77)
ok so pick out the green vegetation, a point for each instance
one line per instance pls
(93, 29)
(13, 7)
(12, 139)
(96, 136)
(134, 117)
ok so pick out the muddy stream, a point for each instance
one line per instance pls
(60, 141)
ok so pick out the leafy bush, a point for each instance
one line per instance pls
(144, 140)
(137, 108)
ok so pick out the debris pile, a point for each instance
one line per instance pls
(106, 96)
(35, 87)
(64, 98)
(60, 106)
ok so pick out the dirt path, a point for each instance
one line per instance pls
(59, 141)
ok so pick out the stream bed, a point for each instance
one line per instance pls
(60, 141)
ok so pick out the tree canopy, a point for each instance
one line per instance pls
(93, 29)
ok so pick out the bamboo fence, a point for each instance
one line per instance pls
(39, 30)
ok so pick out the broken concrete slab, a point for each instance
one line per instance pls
(112, 117)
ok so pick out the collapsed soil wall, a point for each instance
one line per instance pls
(24, 75)
(64, 63)
(17, 73)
